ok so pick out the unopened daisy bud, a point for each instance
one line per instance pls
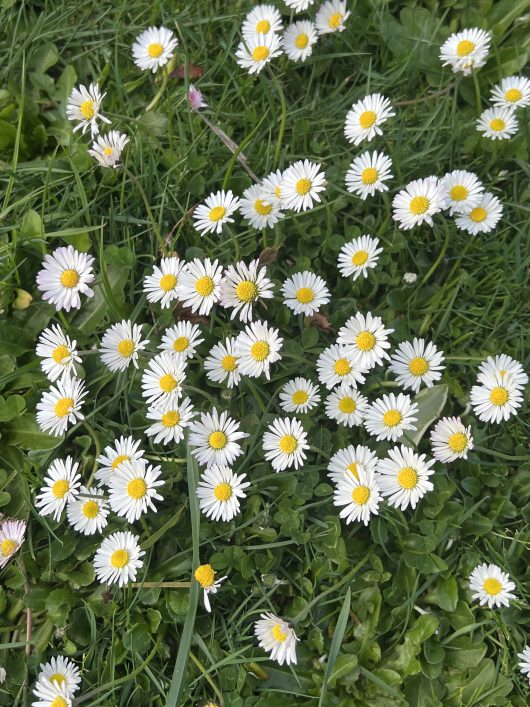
(154, 48)
(491, 586)
(195, 98)
(22, 300)
(107, 149)
(409, 278)
(205, 576)
(276, 637)
(83, 105)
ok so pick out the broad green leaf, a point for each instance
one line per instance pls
(431, 402)
(27, 434)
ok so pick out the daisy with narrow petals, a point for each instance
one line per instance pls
(217, 210)
(222, 363)
(350, 461)
(255, 52)
(298, 5)
(163, 283)
(367, 338)
(284, 443)
(256, 347)
(299, 395)
(498, 123)
(62, 671)
(463, 191)
(51, 694)
(483, 217)
(219, 491)
(262, 20)
(416, 363)
(331, 17)
(83, 106)
(12, 534)
(496, 398)
(182, 339)
(403, 477)
(195, 98)
(61, 485)
(365, 117)
(58, 352)
(260, 207)
(118, 559)
(302, 183)
(368, 174)
(201, 285)
(124, 449)
(276, 637)
(390, 416)
(133, 490)
(418, 203)
(272, 185)
(524, 661)
(88, 511)
(120, 345)
(465, 51)
(305, 293)
(491, 586)
(338, 365)
(346, 406)
(106, 149)
(214, 439)
(60, 406)
(154, 48)
(357, 256)
(359, 496)
(205, 576)
(65, 275)
(170, 420)
(299, 39)
(503, 364)
(512, 92)
(450, 440)
(243, 286)
(163, 378)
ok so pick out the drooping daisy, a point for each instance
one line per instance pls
(496, 398)
(61, 485)
(302, 183)
(403, 477)
(162, 285)
(66, 274)
(205, 576)
(463, 191)
(62, 671)
(299, 395)
(219, 491)
(272, 185)
(365, 117)
(182, 339)
(171, 419)
(338, 365)
(201, 285)
(350, 461)
(222, 363)
(118, 559)
(503, 364)
(389, 416)
(260, 207)
(416, 363)
(524, 661)
(483, 217)
(299, 39)
(124, 449)
(60, 406)
(491, 586)
(368, 174)
(357, 256)
(58, 352)
(498, 123)
(255, 52)
(214, 438)
(133, 489)
(242, 286)
(367, 338)
(346, 405)
(359, 495)
(418, 202)
(107, 149)
(465, 51)
(275, 635)
(195, 98)
(12, 534)
(88, 511)
(512, 92)
(305, 293)
(217, 210)
(298, 5)
(284, 443)
(262, 20)
(256, 347)
(331, 16)
(83, 106)
(154, 48)
(450, 440)
(120, 345)
(51, 694)
(163, 378)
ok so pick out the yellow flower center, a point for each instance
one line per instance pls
(391, 418)
(277, 192)
(119, 558)
(360, 495)
(260, 350)
(170, 418)
(497, 124)
(107, 151)
(155, 50)
(205, 574)
(223, 491)
(457, 442)
(369, 175)
(418, 366)
(300, 397)
(119, 460)
(59, 702)
(499, 396)
(260, 53)
(246, 291)
(57, 677)
(278, 634)
(464, 47)
(347, 405)
(407, 478)
(60, 488)
(352, 468)
(181, 343)
(305, 295)
(513, 95)
(168, 383)
(229, 363)
(301, 41)
(365, 341)
(303, 186)
(87, 109)
(137, 488)
(217, 213)
(335, 20)
(359, 258)
(8, 547)
(342, 367)
(69, 278)
(204, 286)
(63, 406)
(492, 586)
(459, 192)
(126, 347)
(478, 214)
(367, 119)
(217, 440)
(168, 282)
(60, 353)
(90, 509)
(288, 444)
(419, 205)
(262, 207)
(263, 26)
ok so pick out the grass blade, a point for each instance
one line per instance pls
(340, 628)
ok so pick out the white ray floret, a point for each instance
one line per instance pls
(153, 48)
(331, 17)
(305, 293)
(162, 285)
(338, 365)
(219, 491)
(88, 511)
(503, 364)
(200, 286)
(61, 485)
(83, 106)
(415, 363)
(418, 203)
(358, 496)
(222, 363)
(133, 489)
(51, 694)
(451, 440)
(366, 337)
(346, 406)
(163, 378)
(498, 123)
(58, 352)
(512, 92)
(390, 416)
(299, 395)
(256, 347)
(302, 183)
(60, 406)
(299, 39)
(483, 217)
(276, 638)
(262, 20)
(466, 50)
(66, 274)
(124, 449)
(463, 191)
(368, 173)
(205, 576)
(491, 586)
(106, 149)
(350, 461)
(12, 535)
(217, 210)
(496, 398)
(214, 438)
(182, 339)
(524, 661)
(120, 345)
(243, 286)
(170, 420)
(255, 52)
(365, 117)
(403, 477)
(118, 559)
(272, 185)
(62, 671)
(260, 207)
(284, 443)
(357, 256)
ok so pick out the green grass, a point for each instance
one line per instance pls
(411, 635)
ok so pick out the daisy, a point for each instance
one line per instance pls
(305, 293)
(338, 365)
(350, 461)
(132, 490)
(242, 286)
(217, 210)
(214, 438)
(124, 449)
(260, 207)
(182, 339)
(120, 345)
(219, 491)
(284, 443)
(163, 378)
(409, 278)
(450, 440)
(118, 559)
(170, 420)
(368, 174)
(256, 347)
(359, 496)
(466, 50)
(65, 275)
(367, 338)
(262, 20)
(403, 477)
(62, 671)
(498, 123)
(205, 576)
(59, 353)
(346, 405)
(222, 363)
(463, 191)
(416, 363)
(195, 98)
(162, 285)
(154, 48)
(418, 202)
(301, 184)
(88, 511)
(483, 217)
(491, 586)
(107, 149)
(299, 395)
(357, 256)
(12, 534)
(256, 51)
(272, 185)
(331, 16)
(524, 661)
(298, 5)
(201, 285)
(83, 106)
(512, 92)
(275, 635)
(60, 405)
(496, 399)
(365, 117)
(299, 39)
(51, 694)
(389, 416)
(503, 364)
(60, 486)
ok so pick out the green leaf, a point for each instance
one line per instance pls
(444, 594)
(11, 407)
(338, 635)
(431, 402)
(155, 123)
(32, 226)
(25, 432)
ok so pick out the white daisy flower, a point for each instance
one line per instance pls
(262, 20)
(163, 378)
(83, 106)
(503, 364)
(367, 338)
(120, 345)
(170, 420)
(357, 256)
(350, 461)
(483, 217)
(88, 511)
(219, 491)
(463, 191)
(60, 486)
(365, 117)
(217, 210)
(284, 443)
(256, 51)
(201, 285)
(298, 5)
(403, 477)
(359, 496)
(59, 353)
(299, 39)
(416, 363)
(299, 395)
(302, 183)
(62, 671)
(214, 439)
(154, 48)
(256, 347)
(222, 363)
(205, 576)
(195, 98)
(12, 535)
(512, 92)
(466, 50)
(524, 661)
(338, 365)
(51, 694)
(260, 208)
(498, 123)
(242, 286)
(346, 405)
(66, 274)
(272, 185)
(133, 489)
(182, 339)
(389, 416)
(163, 284)
(450, 440)
(491, 586)
(418, 202)
(118, 559)
(275, 635)
(305, 293)
(107, 149)
(331, 16)
(60, 405)
(496, 398)
(124, 449)
(409, 278)
(368, 174)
